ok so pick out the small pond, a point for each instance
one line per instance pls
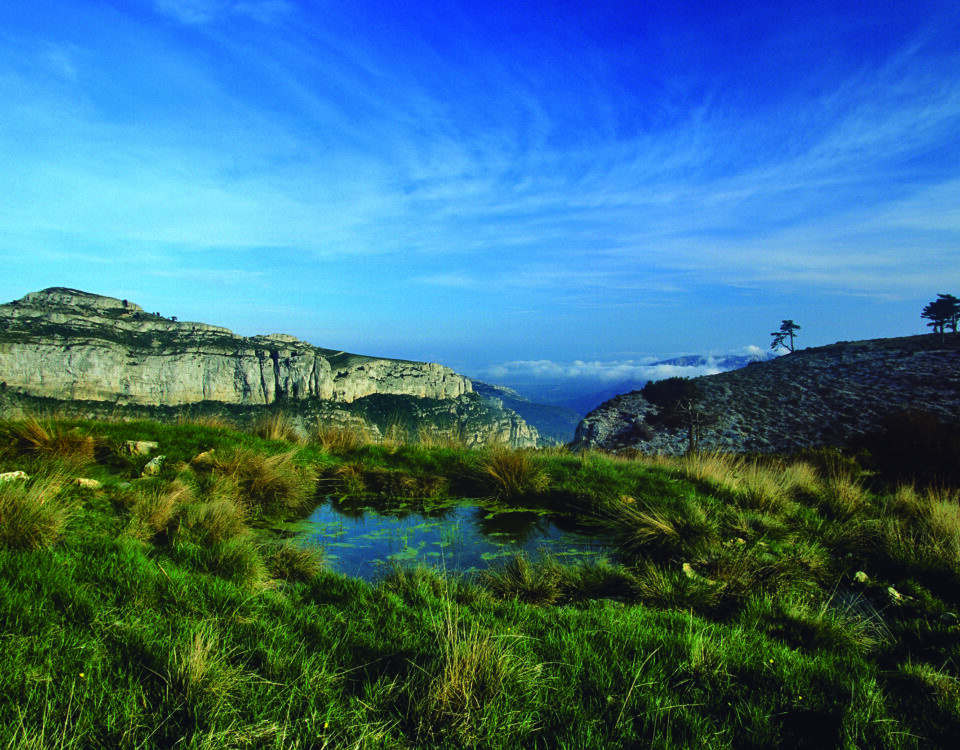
(364, 537)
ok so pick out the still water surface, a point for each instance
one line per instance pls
(364, 538)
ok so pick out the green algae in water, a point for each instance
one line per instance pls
(463, 536)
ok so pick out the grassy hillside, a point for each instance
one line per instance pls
(772, 604)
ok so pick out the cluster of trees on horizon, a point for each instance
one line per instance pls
(943, 313)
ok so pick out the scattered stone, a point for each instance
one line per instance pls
(153, 467)
(861, 577)
(203, 458)
(88, 484)
(693, 575)
(13, 476)
(627, 500)
(140, 447)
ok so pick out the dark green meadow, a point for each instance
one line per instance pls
(753, 603)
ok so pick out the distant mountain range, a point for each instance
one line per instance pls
(581, 399)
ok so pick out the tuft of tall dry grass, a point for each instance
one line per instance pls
(44, 439)
(512, 475)
(338, 439)
(450, 438)
(200, 671)
(34, 513)
(470, 695)
(213, 421)
(842, 496)
(664, 533)
(921, 532)
(750, 483)
(277, 425)
(214, 521)
(293, 562)
(266, 485)
(155, 509)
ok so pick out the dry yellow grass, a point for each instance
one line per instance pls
(339, 439)
(34, 513)
(155, 509)
(277, 426)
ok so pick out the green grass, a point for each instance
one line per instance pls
(152, 612)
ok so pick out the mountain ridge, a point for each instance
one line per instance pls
(73, 347)
(828, 395)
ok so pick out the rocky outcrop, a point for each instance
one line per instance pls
(73, 346)
(827, 395)
(66, 344)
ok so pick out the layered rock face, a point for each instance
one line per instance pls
(827, 395)
(74, 346)
(66, 344)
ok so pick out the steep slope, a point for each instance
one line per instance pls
(75, 347)
(556, 423)
(826, 395)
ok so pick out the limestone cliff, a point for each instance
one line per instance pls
(828, 395)
(73, 346)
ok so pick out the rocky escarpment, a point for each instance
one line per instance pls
(75, 347)
(826, 395)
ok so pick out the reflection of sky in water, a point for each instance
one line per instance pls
(359, 539)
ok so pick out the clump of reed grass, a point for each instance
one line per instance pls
(512, 475)
(920, 535)
(237, 559)
(813, 627)
(519, 578)
(749, 483)
(34, 513)
(478, 680)
(200, 671)
(444, 438)
(842, 496)
(44, 439)
(277, 425)
(663, 532)
(266, 485)
(338, 439)
(155, 509)
(294, 562)
(213, 522)
(672, 588)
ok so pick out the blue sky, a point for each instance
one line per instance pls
(488, 184)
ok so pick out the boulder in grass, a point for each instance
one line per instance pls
(140, 447)
(153, 467)
(13, 476)
(88, 484)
